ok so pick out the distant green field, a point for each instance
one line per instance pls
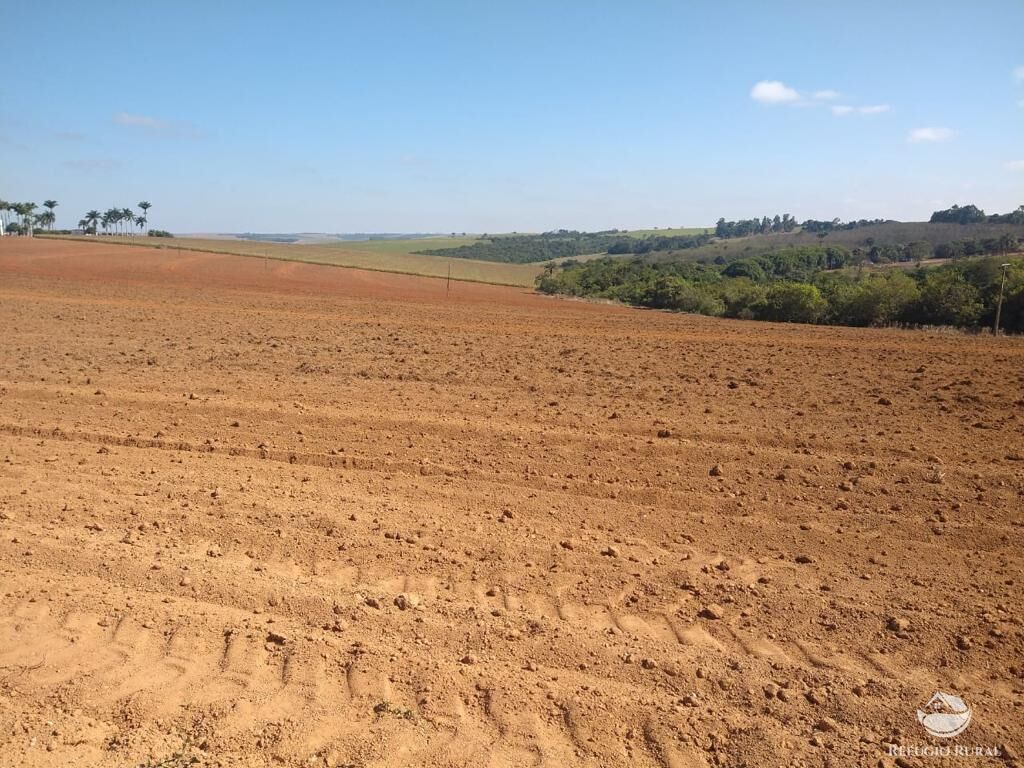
(404, 246)
(377, 255)
(669, 231)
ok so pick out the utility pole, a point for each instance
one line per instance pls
(999, 304)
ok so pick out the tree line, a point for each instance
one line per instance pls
(967, 214)
(121, 221)
(26, 218)
(804, 285)
(640, 245)
(562, 244)
(972, 214)
(785, 223)
(116, 221)
(919, 250)
(835, 225)
(755, 226)
(524, 249)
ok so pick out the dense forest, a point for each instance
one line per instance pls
(523, 249)
(805, 285)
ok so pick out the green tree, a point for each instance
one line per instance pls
(918, 251)
(144, 206)
(46, 219)
(26, 212)
(746, 268)
(674, 293)
(875, 300)
(947, 298)
(1008, 243)
(792, 303)
(50, 205)
(741, 297)
(967, 214)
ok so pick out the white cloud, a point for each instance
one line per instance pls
(1018, 73)
(1015, 165)
(773, 92)
(777, 92)
(919, 135)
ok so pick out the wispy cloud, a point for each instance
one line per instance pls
(1015, 165)
(841, 110)
(91, 165)
(9, 142)
(919, 135)
(1018, 73)
(774, 92)
(155, 125)
(413, 160)
(141, 121)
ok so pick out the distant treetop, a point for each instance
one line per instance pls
(972, 214)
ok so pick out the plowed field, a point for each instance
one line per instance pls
(268, 514)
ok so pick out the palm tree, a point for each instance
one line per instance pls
(4, 208)
(26, 211)
(83, 224)
(107, 220)
(46, 219)
(140, 220)
(92, 219)
(49, 205)
(129, 218)
(145, 206)
(114, 218)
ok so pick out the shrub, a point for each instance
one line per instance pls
(947, 299)
(876, 300)
(792, 303)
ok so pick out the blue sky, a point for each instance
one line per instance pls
(487, 117)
